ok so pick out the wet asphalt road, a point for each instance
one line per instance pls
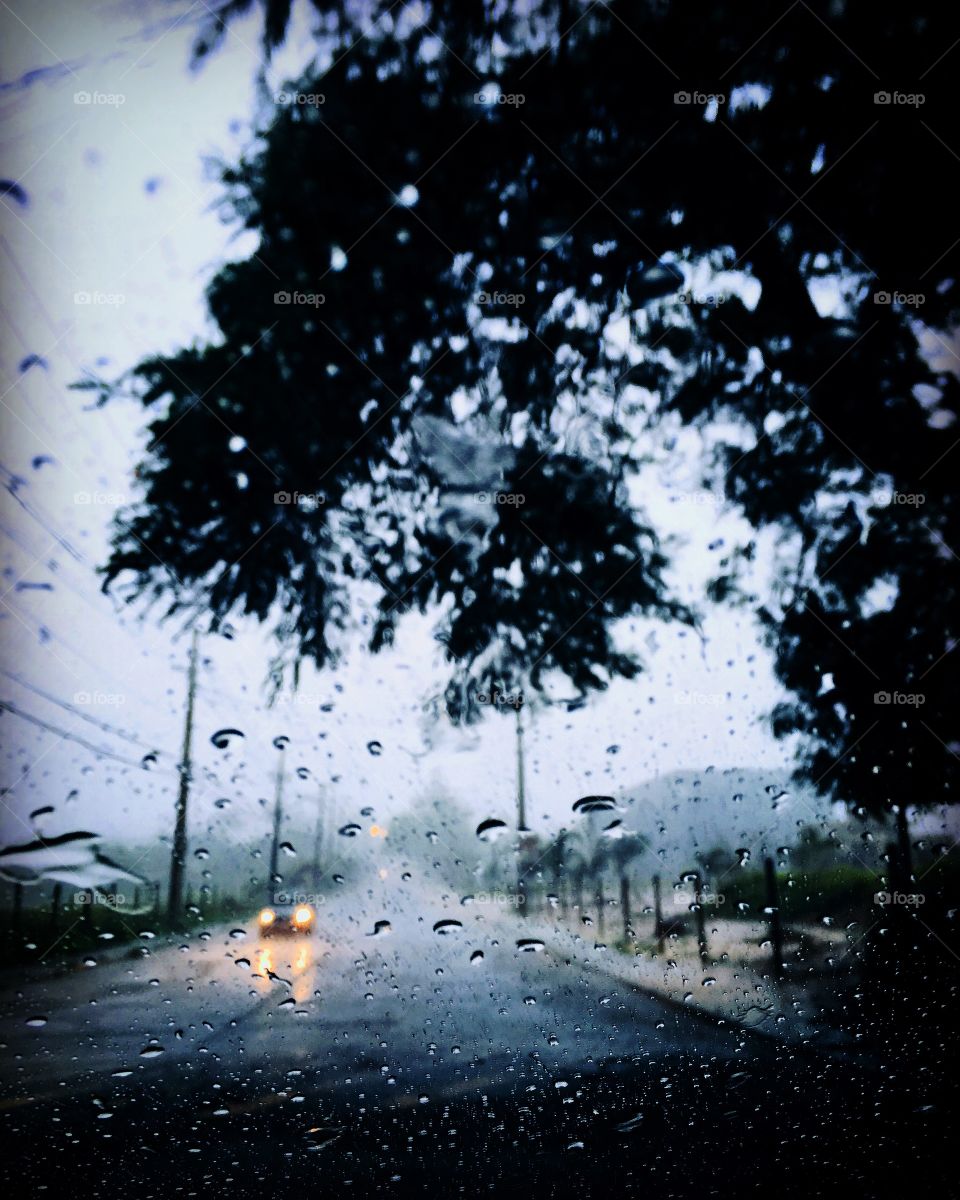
(405, 1064)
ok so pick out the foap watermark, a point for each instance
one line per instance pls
(499, 699)
(706, 899)
(698, 699)
(300, 99)
(112, 498)
(900, 699)
(504, 299)
(314, 899)
(699, 98)
(300, 299)
(93, 896)
(109, 299)
(891, 499)
(502, 499)
(705, 299)
(900, 99)
(310, 501)
(491, 98)
(107, 699)
(699, 499)
(907, 899)
(100, 99)
(901, 299)
(503, 899)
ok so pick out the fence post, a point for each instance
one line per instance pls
(601, 906)
(55, 907)
(657, 914)
(625, 906)
(773, 909)
(701, 926)
(578, 891)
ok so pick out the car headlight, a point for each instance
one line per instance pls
(303, 915)
(267, 916)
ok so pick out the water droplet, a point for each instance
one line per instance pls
(491, 829)
(380, 927)
(375, 748)
(448, 926)
(151, 1051)
(349, 830)
(589, 804)
(223, 737)
(476, 958)
(530, 945)
(202, 854)
(281, 742)
(37, 1022)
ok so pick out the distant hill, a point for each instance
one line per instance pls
(688, 810)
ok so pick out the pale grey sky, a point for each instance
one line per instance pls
(122, 210)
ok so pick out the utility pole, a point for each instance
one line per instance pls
(178, 859)
(773, 911)
(522, 848)
(277, 820)
(318, 841)
(521, 783)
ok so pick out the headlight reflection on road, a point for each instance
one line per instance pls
(272, 961)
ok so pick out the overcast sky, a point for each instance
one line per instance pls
(121, 209)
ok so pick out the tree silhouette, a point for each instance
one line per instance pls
(479, 215)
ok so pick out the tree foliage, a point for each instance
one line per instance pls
(481, 200)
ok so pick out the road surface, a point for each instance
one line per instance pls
(478, 1059)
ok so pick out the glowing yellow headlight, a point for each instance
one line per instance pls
(303, 916)
(267, 916)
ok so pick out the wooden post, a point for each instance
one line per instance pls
(178, 856)
(904, 852)
(601, 905)
(17, 908)
(701, 925)
(55, 907)
(277, 824)
(578, 890)
(625, 907)
(773, 909)
(657, 914)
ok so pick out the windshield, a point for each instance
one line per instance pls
(479, 607)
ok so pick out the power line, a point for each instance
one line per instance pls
(70, 708)
(102, 751)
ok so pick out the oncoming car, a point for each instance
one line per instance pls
(286, 919)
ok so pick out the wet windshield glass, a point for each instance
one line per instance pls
(480, 571)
